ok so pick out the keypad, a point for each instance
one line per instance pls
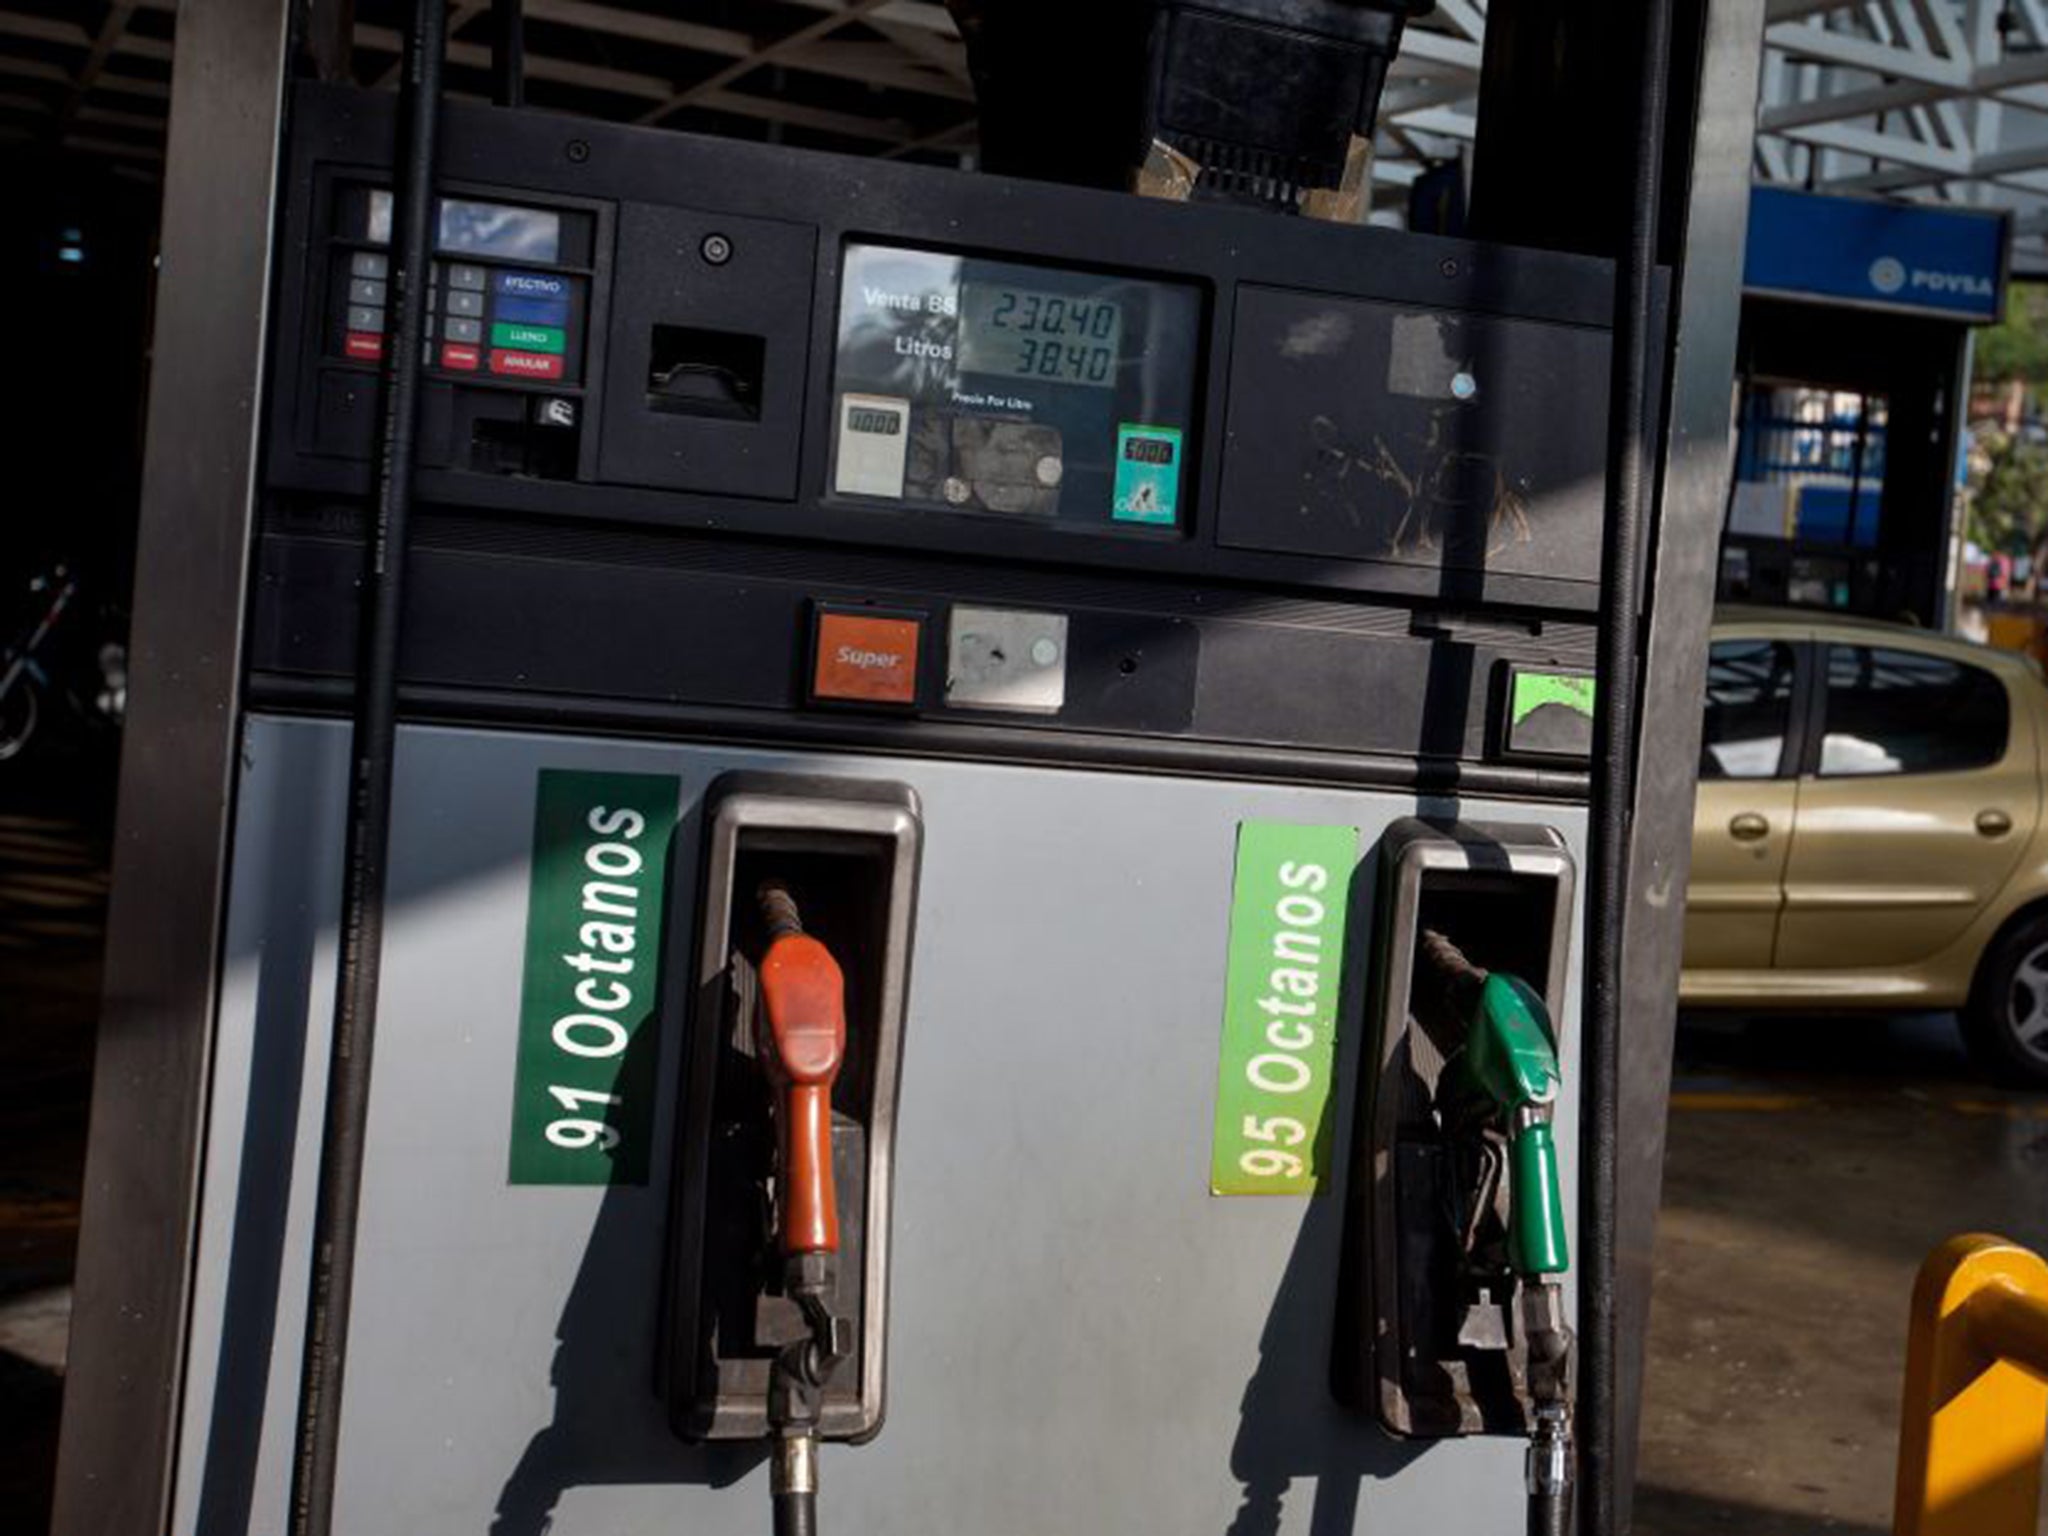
(512, 323)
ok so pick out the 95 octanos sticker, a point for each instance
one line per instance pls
(1284, 975)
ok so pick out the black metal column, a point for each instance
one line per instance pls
(1717, 57)
(177, 771)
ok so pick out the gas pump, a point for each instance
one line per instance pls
(1173, 617)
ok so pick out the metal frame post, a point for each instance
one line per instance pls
(195, 532)
(1698, 463)
(1955, 512)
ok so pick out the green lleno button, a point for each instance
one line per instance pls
(527, 338)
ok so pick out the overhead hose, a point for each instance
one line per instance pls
(373, 744)
(508, 53)
(1629, 489)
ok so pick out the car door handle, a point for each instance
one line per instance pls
(1748, 827)
(1993, 823)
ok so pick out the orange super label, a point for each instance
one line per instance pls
(871, 660)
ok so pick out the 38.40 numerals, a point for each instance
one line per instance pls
(1047, 359)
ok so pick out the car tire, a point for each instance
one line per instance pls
(2005, 1024)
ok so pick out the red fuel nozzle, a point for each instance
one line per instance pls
(803, 998)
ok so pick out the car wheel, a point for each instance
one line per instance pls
(2006, 1022)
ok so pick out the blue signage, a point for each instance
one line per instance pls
(530, 285)
(1936, 261)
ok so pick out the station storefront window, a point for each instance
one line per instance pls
(1806, 502)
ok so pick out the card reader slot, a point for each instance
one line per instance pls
(696, 372)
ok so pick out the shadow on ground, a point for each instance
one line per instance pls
(55, 816)
(1665, 1509)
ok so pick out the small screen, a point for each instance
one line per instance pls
(493, 229)
(1148, 450)
(868, 419)
(1026, 334)
(480, 229)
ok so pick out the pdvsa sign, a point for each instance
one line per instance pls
(1903, 256)
(1889, 276)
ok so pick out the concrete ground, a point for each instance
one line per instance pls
(1812, 1165)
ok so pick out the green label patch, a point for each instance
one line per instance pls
(1274, 1117)
(583, 1094)
(1533, 690)
(528, 338)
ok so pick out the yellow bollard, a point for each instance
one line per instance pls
(1975, 1418)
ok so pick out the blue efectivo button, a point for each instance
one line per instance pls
(532, 311)
(530, 285)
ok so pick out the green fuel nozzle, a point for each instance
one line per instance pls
(1509, 1062)
(1506, 1075)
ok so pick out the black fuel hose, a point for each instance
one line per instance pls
(373, 744)
(508, 53)
(1629, 489)
(1550, 1514)
(796, 1514)
(793, 1480)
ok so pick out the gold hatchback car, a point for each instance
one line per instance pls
(1869, 829)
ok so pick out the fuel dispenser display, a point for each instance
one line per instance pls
(1021, 391)
(814, 555)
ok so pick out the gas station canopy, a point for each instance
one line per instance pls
(1941, 101)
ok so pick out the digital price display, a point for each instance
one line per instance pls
(1025, 334)
(1014, 389)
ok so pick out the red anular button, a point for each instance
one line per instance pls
(456, 356)
(526, 365)
(365, 346)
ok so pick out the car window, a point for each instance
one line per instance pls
(1898, 711)
(1749, 709)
